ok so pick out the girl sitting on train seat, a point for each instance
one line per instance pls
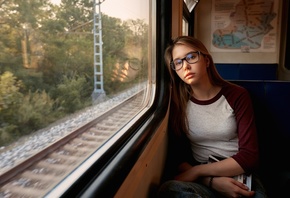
(208, 117)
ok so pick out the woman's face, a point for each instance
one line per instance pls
(190, 73)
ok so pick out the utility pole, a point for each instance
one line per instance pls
(98, 93)
(24, 46)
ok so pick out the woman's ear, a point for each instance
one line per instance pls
(207, 61)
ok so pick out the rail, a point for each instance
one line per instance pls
(38, 174)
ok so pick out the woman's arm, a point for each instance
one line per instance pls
(227, 167)
(248, 154)
(221, 182)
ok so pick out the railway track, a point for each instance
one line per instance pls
(37, 175)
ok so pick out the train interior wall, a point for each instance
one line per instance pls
(255, 63)
(145, 177)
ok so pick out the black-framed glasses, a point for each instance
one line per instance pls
(191, 57)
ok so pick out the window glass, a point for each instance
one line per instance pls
(184, 27)
(191, 4)
(63, 63)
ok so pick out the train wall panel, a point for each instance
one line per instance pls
(145, 177)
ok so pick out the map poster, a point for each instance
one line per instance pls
(244, 25)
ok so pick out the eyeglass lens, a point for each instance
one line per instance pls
(191, 58)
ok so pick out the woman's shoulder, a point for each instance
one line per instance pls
(232, 91)
(238, 97)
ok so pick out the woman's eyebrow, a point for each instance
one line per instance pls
(183, 56)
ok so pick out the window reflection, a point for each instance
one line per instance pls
(127, 68)
(47, 60)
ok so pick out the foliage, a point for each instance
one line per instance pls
(36, 111)
(58, 75)
(9, 92)
(20, 114)
(10, 101)
(70, 94)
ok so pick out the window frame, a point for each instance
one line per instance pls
(105, 175)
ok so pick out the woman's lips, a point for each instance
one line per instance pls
(189, 75)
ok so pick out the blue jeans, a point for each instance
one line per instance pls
(179, 189)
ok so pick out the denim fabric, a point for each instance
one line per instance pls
(259, 189)
(179, 189)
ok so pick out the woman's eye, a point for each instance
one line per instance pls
(135, 64)
(190, 56)
(178, 62)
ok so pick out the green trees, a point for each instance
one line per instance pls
(46, 60)
(9, 92)
(10, 100)
(21, 113)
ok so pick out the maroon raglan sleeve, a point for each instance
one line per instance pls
(248, 154)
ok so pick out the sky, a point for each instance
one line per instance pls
(56, 1)
(124, 9)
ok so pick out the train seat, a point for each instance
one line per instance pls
(237, 71)
(272, 113)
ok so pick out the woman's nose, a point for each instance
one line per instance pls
(186, 65)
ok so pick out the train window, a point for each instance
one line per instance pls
(184, 27)
(76, 71)
(191, 4)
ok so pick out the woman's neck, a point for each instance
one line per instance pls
(205, 91)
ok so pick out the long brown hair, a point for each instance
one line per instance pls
(181, 92)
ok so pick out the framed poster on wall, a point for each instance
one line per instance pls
(244, 26)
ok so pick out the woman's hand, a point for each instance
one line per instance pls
(230, 187)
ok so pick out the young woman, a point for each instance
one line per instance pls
(208, 117)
